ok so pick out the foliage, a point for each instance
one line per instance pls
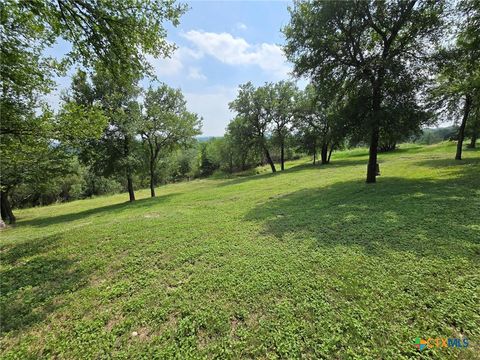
(369, 47)
(117, 33)
(112, 35)
(208, 162)
(320, 119)
(457, 88)
(255, 106)
(240, 149)
(166, 125)
(434, 136)
(281, 99)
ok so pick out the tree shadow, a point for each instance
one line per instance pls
(469, 149)
(32, 279)
(115, 208)
(443, 163)
(429, 217)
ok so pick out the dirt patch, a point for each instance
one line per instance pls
(114, 321)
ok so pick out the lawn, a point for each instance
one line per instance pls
(308, 263)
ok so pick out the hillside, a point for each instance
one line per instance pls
(311, 261)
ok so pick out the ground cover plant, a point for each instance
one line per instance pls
(308, 263)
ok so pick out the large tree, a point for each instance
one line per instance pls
(254, 106)
(457, 91)
(166, 125)
(118, 96)
(364, 44)
(280, 102)
(118, 33)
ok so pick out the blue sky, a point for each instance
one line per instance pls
(221, 44)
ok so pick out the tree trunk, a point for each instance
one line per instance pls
(372, 167)
(6, 208)
(330, 153)
(282, 156)
(126, 152)
(269, 159)
(152, 179)
(131, 193)
(314, 152)
(324, 153)
(473, 142)
(461, 131)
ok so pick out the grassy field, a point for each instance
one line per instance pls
(309, 263)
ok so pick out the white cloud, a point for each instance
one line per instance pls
(172, 66)
(166, 66)
(241, 26)
(195, 73)
(212, 105)
(237, 51)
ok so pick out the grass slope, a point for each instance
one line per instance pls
(310, 263)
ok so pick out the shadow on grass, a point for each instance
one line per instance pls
(33, 278)
(442, 163)
(429, 217)
(115, 208)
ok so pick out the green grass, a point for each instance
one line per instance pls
(310, 263)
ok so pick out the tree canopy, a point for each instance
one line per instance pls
(166, 124)
(114, 35)
(363, 44)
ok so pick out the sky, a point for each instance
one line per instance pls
(221, 44)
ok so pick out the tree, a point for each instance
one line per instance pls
(24, 75)
(319, 118)
(166, 125)
(117, 33)
(458, 82)
(281, 107)
(207, 165)
(306, 138)
(252, 104)
(240, 140)
(118, 98)
(405, 114)
(473, 128)
(362, 44)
